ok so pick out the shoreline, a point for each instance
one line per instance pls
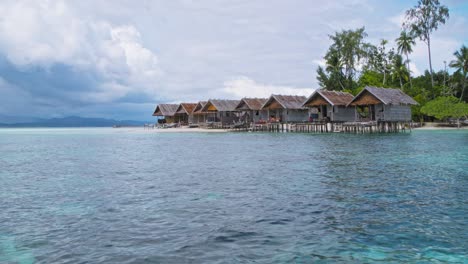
(183, 129)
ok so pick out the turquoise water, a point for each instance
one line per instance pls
(110, 196)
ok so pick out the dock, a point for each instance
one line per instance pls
(330, 127)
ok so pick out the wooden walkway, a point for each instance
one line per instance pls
(330, 127)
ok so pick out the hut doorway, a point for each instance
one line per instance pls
(324, 111)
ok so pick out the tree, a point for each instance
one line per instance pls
(423, 19)
(461, 66)
(347, 52)
(335, 78)
(405, 45)
(381, 59)
(446, 107)
(399, 70)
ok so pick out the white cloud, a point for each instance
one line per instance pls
(45, 33)
(414, 69)
(246, 87)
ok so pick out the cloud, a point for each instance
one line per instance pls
(245, 87)
(48, 33)
(414, 69)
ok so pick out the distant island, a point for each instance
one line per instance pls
(70, 121)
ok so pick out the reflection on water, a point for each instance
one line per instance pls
(107, 196)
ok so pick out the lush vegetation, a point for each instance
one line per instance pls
(351, 63)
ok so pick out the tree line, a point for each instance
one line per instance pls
(351, 63)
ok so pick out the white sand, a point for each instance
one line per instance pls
(171, 130)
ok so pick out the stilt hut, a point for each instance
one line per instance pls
(199, 117)
(167, 112)
(184, 114)
(382, 104)
(286, 108)
(251, 109)
(330, 106)
(222, 111)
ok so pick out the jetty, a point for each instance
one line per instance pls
(373, 110)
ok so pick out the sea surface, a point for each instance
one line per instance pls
(114, 196)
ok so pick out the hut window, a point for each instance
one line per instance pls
(363, 111)
(257, 113)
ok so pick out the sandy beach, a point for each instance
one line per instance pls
(172, 130)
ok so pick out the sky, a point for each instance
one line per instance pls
(118, 59)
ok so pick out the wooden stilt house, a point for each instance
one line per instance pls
(286, 108)
(330, 106)
(382, 104)
(199, 117)
(251, 109)
(221, 111)
(167, 112)
(184, 114)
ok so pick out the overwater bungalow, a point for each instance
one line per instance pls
(184, 114)
(166, 111)
(221, 111)
(330, 106)
(199, 116)
(286, 108)
(252, 110)
(382, 104)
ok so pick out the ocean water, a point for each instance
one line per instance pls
(111, 196)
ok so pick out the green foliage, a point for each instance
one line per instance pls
(445, 107)
(347, 51)
(370, 78)
(405, 43)
(380, 60)
(461, 65)
(399, 71)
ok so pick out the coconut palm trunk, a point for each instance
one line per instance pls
(430, 60)
(409, 71)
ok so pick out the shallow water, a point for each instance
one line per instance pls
(110, 196)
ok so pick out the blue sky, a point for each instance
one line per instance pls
(118, 59)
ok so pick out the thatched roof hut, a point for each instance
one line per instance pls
(251, 104)
(293, 102)
(324, 97)
(330, 106)
(286, 108)
(165, 110)
(382, 104)
(218, 105)
(387, 96)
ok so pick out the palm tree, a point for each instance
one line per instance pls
(399, 70)
(461, 64)
(405, 45)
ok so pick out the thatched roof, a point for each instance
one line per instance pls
(251, 103)
(165, 110)
(324, 97)
(186, 108)
(285, 101)
(387, 96)
(220, 105)
(198, 108)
